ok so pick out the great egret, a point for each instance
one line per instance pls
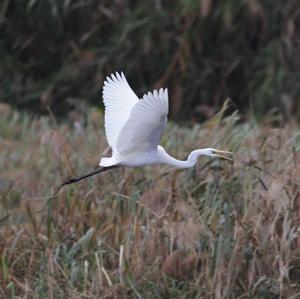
(134, 126)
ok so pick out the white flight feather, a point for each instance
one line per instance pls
(119, 99)
(145, 124)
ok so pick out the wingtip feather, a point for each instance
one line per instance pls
(166, 93)
(114, 77)
(118, 76)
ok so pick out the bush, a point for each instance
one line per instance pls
(57, 53)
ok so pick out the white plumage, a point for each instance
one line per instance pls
(133, 127)
(119, 100)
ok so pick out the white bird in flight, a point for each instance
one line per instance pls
(134, 126)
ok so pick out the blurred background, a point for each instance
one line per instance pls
(219, 230)
(56, 53)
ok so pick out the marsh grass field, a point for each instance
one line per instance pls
(220, 230)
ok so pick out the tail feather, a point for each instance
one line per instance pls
(106, 162)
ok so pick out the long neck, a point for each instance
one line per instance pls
(191, 160)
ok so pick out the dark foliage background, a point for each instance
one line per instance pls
(57, 53)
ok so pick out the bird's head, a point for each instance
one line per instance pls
(211, 152)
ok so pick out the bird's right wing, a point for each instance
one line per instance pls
(119, 100)
(146, 122)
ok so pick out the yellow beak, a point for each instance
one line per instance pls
(223, 154)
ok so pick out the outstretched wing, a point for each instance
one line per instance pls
(119, 99)
(146, 122)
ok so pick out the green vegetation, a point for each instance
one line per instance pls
(57, 52)
(220, 230)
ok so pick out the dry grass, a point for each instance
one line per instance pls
(217, 231)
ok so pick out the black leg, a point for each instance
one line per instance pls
(79, 178)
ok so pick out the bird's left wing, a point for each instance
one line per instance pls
(118, 99)
(146, 122)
